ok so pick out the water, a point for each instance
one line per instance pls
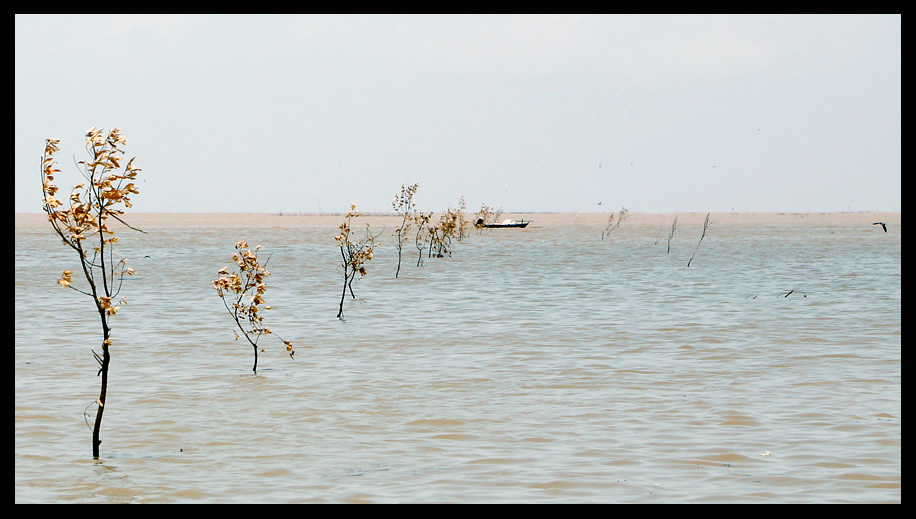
(534, 365)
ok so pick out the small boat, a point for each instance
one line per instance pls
(508, 222)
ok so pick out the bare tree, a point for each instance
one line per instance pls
(705, 227)
(671, 233)
(610, 221)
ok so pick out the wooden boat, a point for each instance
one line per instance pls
(505, 223)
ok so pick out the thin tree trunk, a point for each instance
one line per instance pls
(671, 234)
(705, 226)
(398, 271)
(106, 359)
(343, 295)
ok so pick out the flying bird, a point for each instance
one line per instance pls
(882, 224)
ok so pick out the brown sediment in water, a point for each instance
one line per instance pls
(291, 220)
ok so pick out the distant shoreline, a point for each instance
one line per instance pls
(179, 220)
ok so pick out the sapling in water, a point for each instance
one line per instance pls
(354, 255)
(403, 205)
(242, 292)
(705, 227)
(83, 226)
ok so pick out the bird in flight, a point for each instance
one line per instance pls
(882, 224)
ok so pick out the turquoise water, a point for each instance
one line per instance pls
(533, 365)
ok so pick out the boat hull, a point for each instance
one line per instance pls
(503, 225)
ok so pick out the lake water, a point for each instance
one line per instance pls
(537, 365)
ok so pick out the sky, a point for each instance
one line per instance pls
(528, 113)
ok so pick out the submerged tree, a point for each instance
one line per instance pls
(610, 221)
(83, 226)
(462, 225)
(438, 238)
(671, 234)
(354, 255)
(403, 205)
(452, 225)
(705, 226)
(242, 293)
(421, 240)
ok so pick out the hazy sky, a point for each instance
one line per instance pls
(308, 113)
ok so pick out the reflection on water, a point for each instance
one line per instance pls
(535, 365)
